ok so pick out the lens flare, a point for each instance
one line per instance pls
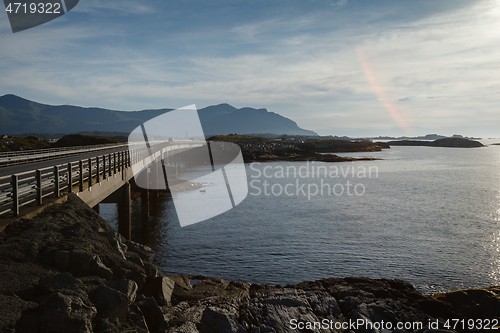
(379, 91)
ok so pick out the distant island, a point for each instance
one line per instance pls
(428, 137)
(453, 142)
(261, 149)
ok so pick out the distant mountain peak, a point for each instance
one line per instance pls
(224, 107)
(216, 118)
(11, 98)
(15, 102)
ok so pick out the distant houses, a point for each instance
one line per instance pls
(5, 139)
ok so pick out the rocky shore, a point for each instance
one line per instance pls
(67, 270)
(445, 142)
(259, 149)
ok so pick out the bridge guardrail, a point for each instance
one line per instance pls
(25, 188)
(22, 189)
(27, 156)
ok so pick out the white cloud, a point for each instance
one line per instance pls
(439, 71)
(128, 7)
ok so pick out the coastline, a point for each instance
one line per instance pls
(67, 270)
(259, 149)
(304, 158)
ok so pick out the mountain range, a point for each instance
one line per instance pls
(19, 115)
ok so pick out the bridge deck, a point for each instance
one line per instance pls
(10, 170)
(92, 176)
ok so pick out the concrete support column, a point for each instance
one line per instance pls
(125, 213)
(97, 209)
(145, 195)
(190, 156)
(144, 204)
(154, 193)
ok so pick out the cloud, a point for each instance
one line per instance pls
(438, 70)
(124, 7)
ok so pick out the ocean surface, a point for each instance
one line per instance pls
(424, 214)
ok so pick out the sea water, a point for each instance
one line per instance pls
(424, 214)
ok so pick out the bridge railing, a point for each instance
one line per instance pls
(32, 187)
(28, 156)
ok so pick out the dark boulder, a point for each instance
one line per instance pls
(152, 314)
(161, 289)
(63, 283)
(110, 303)
(63, 313)
(215, 320)
(144, 252)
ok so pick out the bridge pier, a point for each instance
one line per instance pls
(154, 194)
(145, 196)
(144, 204)
(97, 209)
(125, 212)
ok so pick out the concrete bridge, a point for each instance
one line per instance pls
(31, 182)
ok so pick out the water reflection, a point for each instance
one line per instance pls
(152, 230)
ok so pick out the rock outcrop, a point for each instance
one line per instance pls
(445, 142)
(259, 149)
(67, 270)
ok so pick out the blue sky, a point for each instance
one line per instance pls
(340, 67)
